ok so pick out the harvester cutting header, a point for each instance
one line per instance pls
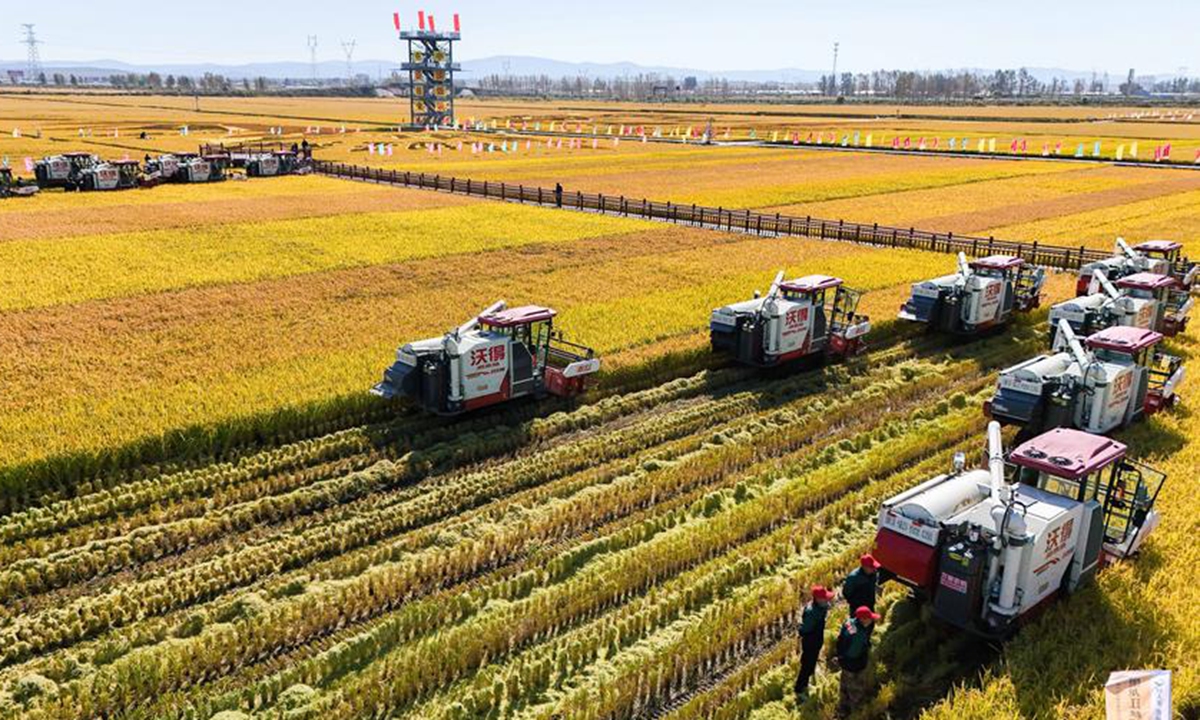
(811, 316)
(989, 547)
(982, 296)
(502, 354)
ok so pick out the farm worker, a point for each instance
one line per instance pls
(305, 149)
(558, 194)
(859, 588)
(812, 637)
(853, 654)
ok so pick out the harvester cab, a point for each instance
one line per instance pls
(982, 295)
(1119, 377)
(810, 316)
(1170, 302)
(1170, 254)
(192, 169)
(1105, 306)
(987, 547)
(502, 354)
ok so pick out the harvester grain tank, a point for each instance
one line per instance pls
(988, 547)
(502, 354)
(811, 316)
(63, 171)
(982, 296)
(1163, 257)
(1145, 300)
(1119, 377)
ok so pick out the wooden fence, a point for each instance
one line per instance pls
(742, 221)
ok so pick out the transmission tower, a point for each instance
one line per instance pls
(833, 81)
(348, 48)
(33, 63)
(312, 56)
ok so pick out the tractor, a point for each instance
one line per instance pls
(280, 162)
(1144, 300)
(981, 297)
(113, 175)
(988, 548)
(1162, 257)
(811, 316)
(1120, 377)
(63, 171)
(502, 354)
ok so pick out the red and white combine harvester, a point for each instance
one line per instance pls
(988, 547)
(982, 296)
(1161, 257)
(812, 316)
(1120, 377)
(1143, 300)
(502, 354)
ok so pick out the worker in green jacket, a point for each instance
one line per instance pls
(859, 587)
(853, 656)
(812, 637)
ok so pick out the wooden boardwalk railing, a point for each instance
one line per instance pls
(742, 221)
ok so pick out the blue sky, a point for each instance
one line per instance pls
(1155, 36)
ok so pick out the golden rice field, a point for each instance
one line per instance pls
(203, 515)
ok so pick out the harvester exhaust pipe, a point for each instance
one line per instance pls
(964, 269)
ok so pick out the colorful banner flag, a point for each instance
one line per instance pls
(1012, 148)
(953, 143)
(870, 136)
(1133, 150)
(1121, 152)
(389, 149)
(896, 142)
(1096, 149)
(29, 163)
(1079, 150)
(1167, 151)
(981, 145)
(1058, 148)
(907, 143)
(992, 145)
(775, 136)
(1197, 160)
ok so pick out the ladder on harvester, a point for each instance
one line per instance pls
(1027, 288)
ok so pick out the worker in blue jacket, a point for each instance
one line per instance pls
(812, 637)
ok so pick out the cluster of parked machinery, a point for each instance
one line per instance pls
(985, 547)
(82, 171)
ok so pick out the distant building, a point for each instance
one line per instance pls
(690, 84)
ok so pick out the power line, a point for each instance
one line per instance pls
(348, 48)
(312, 55)
(33, 63)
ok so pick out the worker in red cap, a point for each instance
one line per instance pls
(853, 655)
(859, 587)
(812, 637)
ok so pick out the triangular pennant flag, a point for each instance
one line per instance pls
(1120, 152)
(29, 164)
(870, 137)
(1133, 150)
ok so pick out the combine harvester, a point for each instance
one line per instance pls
(981, 297)
(161, 169)
(503, 354)
(1119, 378)
(63, 171)
(1144, 300)
(988, 548)
(279, 162)
(1163, 257)
(812, 316)
(193, 168)
(111, 175)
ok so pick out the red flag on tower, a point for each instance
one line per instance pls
(421, 19)
(396, 20)
(457, 26)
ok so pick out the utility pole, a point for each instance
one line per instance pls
(33, 63)
(833, 81)
(312, 56)
(348, 48)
